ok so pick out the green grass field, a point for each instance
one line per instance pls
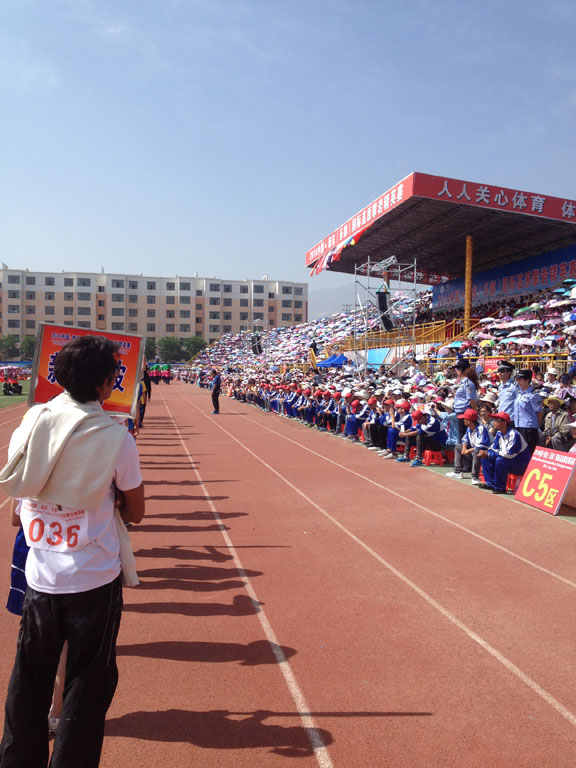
(7, 400)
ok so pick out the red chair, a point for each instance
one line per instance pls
(413, 452)
(513, 482)
(433, 458)
(449, 456)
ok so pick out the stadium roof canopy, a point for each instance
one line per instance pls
(427, 218)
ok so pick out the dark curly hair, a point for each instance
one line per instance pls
(84, 364)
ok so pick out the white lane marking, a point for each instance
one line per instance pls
(320, 751)
(479, 536)
(6, 500)
(506, 663)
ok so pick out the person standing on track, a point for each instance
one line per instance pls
(215, 388)
(70, 464)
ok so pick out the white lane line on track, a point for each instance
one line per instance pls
(479, 536)
(319, 748)
(485, 645)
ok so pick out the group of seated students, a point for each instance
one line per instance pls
(11, 387)
(482, 439)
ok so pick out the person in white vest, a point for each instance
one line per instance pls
(69, 464)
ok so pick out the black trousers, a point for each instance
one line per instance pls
(530, 435)
(89, 621)
(215, 403)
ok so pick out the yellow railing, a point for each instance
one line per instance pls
(427, 333)
(562, 363)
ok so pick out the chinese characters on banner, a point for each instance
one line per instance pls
(546, 480)
(51, 339)
(458, 192)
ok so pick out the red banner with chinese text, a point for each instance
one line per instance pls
(51, 339)
(546, 480)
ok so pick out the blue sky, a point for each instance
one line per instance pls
(229, 136)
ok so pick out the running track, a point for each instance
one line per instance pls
(301, 598)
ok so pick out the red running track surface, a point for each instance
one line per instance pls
(301, 598)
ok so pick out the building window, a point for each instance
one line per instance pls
(243, 327)
(85, 282)
(68, 322)
(184, 286)
(84, 296)
(117, 283)
(116, 311)
(49, 296)
(213, 315)
(297, 304)
(48, 310)
(198, 293)
(214, 302)
(227, 288)
(132, 312)
(243, 315)
(198, 320)
(48, 281)
(30, 310)
(30, 280)
(258, 302)
(170, 286)
(68, 297)
(100, 302)
(133, 327)
(186, 313)
(170, 313)
(243, 302)
(150, 313)
(298, 318)
(286, 316)
(68, 282)
(133, 285)
(150, 286)
(13, 279)
(13, 294)
(132, 298)
(227, 302)
(258, 289)
(30, 295)
(170, 299)
(68, 310)
(101, 317)
(30, 323)
(184, 328)
(214, 329)
(227, 315)
(170, 327)
(298, 291)
(13, 323)
(271, 308)
(117, 326)
(287, 302)
(13, 309)
(118, 297)
(214, 287)
(286, 289)
(270, 295)
(184, 299)
(226, 328)
(150, 299)
(258, 316)
(151, 326)
(199, 306)
(243, 289)
(101, 289)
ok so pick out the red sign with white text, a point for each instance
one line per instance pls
(455, 191)
(545, 482)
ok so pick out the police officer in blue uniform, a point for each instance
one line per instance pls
(527, 409)
(508, 389)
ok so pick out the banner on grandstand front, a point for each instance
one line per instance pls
(520, 277)
(51, 339)
(546, 480)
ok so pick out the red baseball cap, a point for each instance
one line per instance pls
(469, 414)
(417, 415)
(502, 415)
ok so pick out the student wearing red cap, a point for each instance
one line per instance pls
(427, 434)
(508, 453)
(476, 438)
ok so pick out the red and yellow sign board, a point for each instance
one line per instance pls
(51, 339)
(546, 480)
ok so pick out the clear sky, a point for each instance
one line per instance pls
(229, 136)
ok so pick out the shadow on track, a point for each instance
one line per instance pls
(250, 655)
(241, 605)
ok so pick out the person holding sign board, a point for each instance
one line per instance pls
(68, 462)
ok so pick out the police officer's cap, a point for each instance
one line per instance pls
(463, 364)
(524, 373)
(504, 366)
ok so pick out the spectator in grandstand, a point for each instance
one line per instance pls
(476, 438)
(509, 453)
(556, 429)
(527, 409)
(426, 433)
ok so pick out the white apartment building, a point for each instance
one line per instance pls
(152, 307)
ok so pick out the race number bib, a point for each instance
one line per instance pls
(53, 528)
